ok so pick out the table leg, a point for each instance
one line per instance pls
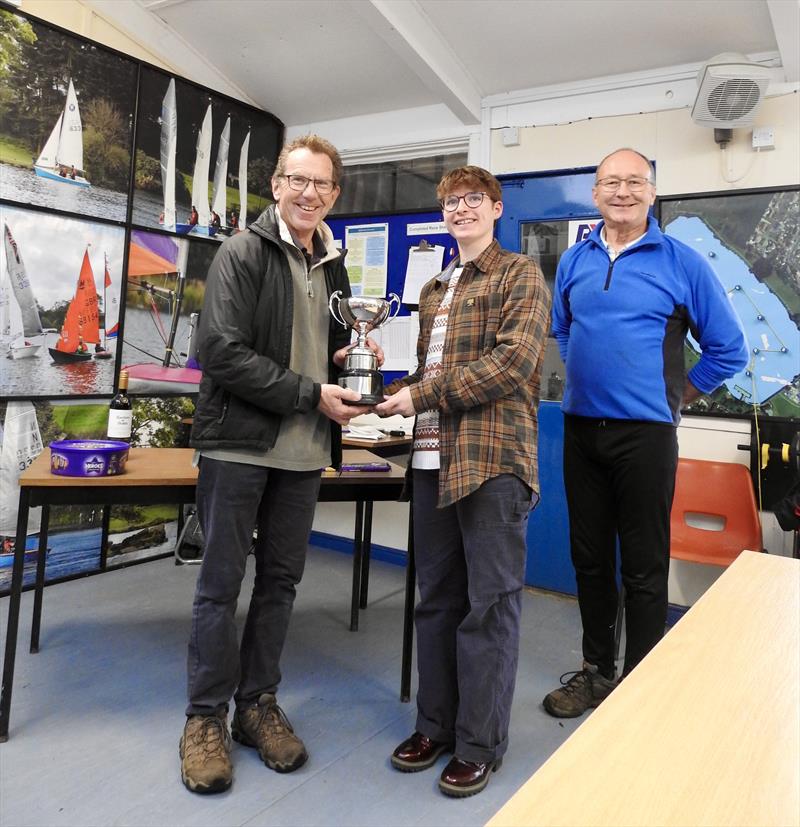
(39, 590)
(366, 552)
(408, 614)
(358, 547)
(106, 520)
(13, 613)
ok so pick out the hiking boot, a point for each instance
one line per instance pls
(584, 690)
(265, 727)
(205, 751)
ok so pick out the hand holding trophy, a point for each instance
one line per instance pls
(362, 314)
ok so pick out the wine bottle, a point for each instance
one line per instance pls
(120, 415)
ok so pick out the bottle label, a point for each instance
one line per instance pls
(119, 424)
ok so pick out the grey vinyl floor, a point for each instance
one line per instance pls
(97, 713)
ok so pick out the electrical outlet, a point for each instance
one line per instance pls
(763, 138)
(510, 136)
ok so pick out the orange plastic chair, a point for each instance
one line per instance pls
(722, 493)
(719, 494)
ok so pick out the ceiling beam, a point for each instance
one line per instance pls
(785, 16)
(408, 31)
(142, 25)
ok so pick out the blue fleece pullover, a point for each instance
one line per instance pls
(621, 327)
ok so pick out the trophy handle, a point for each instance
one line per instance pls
(393, 299)
(337, 294)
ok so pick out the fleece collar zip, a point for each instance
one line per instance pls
(652, 237)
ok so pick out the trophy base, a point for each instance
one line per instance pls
(368, 383)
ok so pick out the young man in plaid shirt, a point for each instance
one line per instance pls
(483, 324)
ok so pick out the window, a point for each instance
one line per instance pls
(394, 186)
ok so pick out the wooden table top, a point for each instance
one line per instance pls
(173, 466)
(705, 731)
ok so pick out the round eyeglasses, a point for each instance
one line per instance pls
(471, 199)
(324, 186)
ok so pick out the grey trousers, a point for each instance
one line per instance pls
(232, 499)
(470, 561)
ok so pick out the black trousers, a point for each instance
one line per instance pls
(470, 569)
(619, 477)
(232, 498)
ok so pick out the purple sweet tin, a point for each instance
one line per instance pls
(88, 457)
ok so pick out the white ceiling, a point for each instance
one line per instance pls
(308, 61)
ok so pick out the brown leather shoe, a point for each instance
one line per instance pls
(462, 778)
(417, 753)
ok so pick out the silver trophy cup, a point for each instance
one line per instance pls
(362, 314)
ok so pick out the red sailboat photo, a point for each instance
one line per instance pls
(82, 323)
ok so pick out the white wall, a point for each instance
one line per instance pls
(687, 159)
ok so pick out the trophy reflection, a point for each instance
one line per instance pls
(362, 314)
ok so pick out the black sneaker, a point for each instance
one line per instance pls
(585, 689)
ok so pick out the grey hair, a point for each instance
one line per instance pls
(649, 163)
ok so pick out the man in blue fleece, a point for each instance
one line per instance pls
(623, 302)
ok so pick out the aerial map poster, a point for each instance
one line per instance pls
(751, 239)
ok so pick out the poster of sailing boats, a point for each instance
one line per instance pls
(67, 121)
(203, 161)
(66, 293)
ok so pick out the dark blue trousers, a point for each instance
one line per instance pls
(619, 477)
(232, 499)
(470, 561)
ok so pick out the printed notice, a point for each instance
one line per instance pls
(367, 258)
(398, 338)
(423, 265)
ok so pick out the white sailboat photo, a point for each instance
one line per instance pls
(20, 326)
(220, 190)
(243, 181)
(21, 443)
(61, 159)
(200, 221)
(169, 149)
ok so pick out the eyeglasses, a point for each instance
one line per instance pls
(324, 186)
(613, 184)
(471, 199)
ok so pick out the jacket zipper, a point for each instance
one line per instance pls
(224, 410)
(608, 275)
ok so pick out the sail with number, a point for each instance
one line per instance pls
(243, 182)
(169, 148)
(23, 312)
(7, 306)
(61, 159)
(21, 444)
(218, 199)
(202, 162)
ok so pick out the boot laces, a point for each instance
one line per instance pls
(580, 678)
(272, 721)
(209, 737)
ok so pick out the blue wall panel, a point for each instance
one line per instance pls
(548, 565)
(553, 196)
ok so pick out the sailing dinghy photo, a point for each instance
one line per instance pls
(157, 257)
(20, 327)
(202, 163)
(62, 157)
(81, 324)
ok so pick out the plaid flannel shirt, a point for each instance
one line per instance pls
(487, 394)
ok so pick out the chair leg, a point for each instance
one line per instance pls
(620, 620)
